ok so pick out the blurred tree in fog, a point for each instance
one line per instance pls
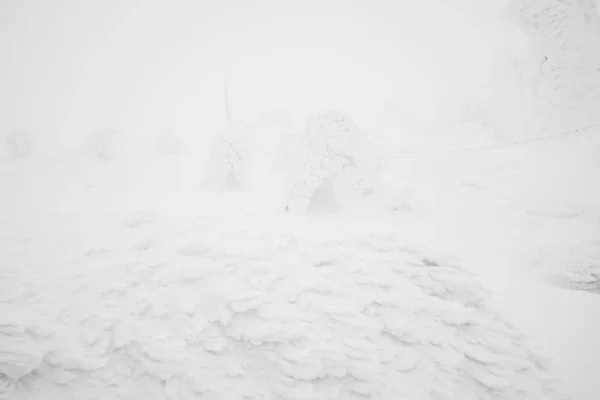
(104, 145)
(17, 143)
(562, 70)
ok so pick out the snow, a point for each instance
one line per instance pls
(333, 167)
(565, 56)
(126, 282)
(149, 261)
(17, 144)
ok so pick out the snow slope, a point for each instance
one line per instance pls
(261, 313)
(526, 219)
(120, 289)
(120, 279)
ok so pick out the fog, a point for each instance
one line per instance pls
(140, 66)
(299, 200)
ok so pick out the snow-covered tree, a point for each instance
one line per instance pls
(104, 145)
(169, 143)
(564, 62)
(228, 158)
(333, 164)
(576, 267)
(17, 143)
(229, 151)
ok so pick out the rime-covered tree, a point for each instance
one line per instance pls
(228, 153)
(104, 145)
(564, 63)
(333, 158)
(17, 143)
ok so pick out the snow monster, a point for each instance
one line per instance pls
(334, 167)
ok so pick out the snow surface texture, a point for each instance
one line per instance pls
(17, 144)
(498, 211)
(333, 164)
(564, 60)
(203, 307)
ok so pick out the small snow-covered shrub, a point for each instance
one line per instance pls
(580, 275)
(104, 145)
(574, 268)
(17, 144)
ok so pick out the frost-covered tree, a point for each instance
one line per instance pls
(17, 143)
(564, 63)
(574, 268)
(169, 143)
(228, 159)
(104, 145)
(229, 152)
(333, 164)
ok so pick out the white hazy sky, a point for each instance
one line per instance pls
(68, 66)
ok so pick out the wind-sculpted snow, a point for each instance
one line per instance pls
(169, 143)
(204, 308)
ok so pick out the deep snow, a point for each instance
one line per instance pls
(124, 274)
(114, 273)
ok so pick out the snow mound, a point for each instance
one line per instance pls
(104, 145)
(17, 144)
(263, 310)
